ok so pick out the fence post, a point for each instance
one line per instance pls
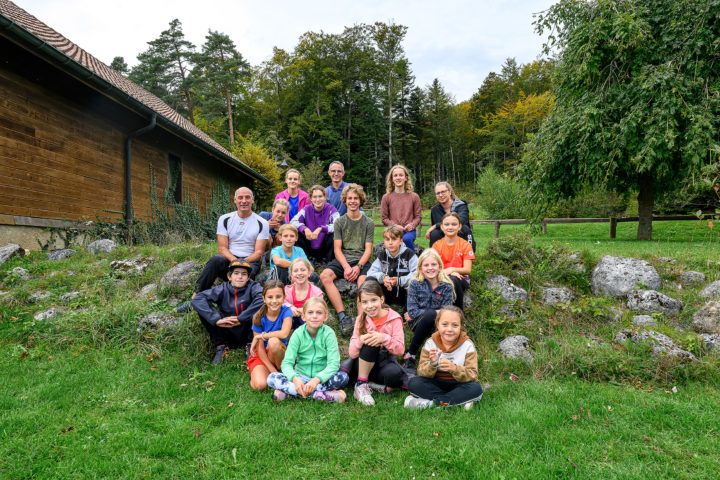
(497, 229)
(544, 226)
(613, 227)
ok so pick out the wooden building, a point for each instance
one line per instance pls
(78, 139)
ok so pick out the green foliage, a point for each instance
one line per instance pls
(500, 196)
(253, 154)
(314, 173)
(592, 201)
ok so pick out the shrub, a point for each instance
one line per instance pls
(500, 196)
(590, 202)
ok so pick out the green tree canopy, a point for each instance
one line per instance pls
(637, 97)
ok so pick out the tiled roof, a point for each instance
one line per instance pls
(46, 34)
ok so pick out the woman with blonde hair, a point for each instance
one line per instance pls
(429, 291)
(401, 205)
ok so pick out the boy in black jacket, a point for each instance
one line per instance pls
(394, 266)
(226, 311)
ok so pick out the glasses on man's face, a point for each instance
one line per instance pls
(442, 192)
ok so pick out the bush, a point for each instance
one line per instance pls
(590, 202)
(500, 196)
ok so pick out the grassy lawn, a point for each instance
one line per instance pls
(90, 396)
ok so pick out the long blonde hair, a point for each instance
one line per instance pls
(390, 186)
(442, 276)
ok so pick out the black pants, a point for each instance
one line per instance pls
(446, 391)
(217, 267)
(386, 371)
(423, 328)
(235, 337)
(465, 233)
(396, 296)
(460, 285)
(324, 253)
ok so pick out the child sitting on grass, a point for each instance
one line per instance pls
(301, 290)
(376, 341)
(226, 311)
(282, 255)
(271, 327)
(394, 266)
(429, 291)
(448, 366)
(312, 359)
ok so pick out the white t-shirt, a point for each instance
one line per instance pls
(242, 233)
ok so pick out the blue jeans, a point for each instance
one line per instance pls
(409, 239)
(278, 381)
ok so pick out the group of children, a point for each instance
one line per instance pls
(295, 352)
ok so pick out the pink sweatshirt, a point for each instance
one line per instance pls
(394, 341)
(303, 200)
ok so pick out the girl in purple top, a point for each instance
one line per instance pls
(315, 224)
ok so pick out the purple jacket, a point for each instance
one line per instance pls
(310, 218)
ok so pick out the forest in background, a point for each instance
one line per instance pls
(351, 97)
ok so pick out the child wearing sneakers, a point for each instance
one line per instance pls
(448, 366)
(376, 341)
(312, 358)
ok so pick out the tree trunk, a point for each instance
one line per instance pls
(230, 120)
(646, 202)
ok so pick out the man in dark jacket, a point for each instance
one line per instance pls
(448, 202)
(226, 311)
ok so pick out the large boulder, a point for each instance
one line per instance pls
(517, 346)
(691, 278)
(508, 290)
(148, 291)
(9, 251)
(650, 301)
(711, 291)
(644, 321)
(661, 344)
(711, 341)
(60, 254)
(182, 275)
(132, 266)
(38, 297)
(618, 276)
(157, 320)
(707, 319)
(102, 246)
(71, 296)
(348, 290)
(557, 295)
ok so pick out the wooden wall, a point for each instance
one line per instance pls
(62, 160)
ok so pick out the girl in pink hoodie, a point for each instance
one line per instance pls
(376, 342)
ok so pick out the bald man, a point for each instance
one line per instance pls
(241, 235)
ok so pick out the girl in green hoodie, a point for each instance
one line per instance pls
(311, 364)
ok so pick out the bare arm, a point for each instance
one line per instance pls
(223, 250)
(259, 250)
(464, 270)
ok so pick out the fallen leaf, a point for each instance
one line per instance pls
(150, 358)
(572, 463)
(13, 319)
(68, 429)
(575, 417)
(23, 354)
(230, 404)
(183, 385)
(153, 368)
(674, 389)
(647, 439)
(514, 377)
(197, 432)
(436, 434)
(51, 357)
(711, 224)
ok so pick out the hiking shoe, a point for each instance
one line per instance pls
(363, 394)
(279, 395)
(416, 402)
(183, 308)
(337, 396)
(220, 352)
(380, 388)
(409, 362)
(345, 323)
(468, 405)
(247, 350)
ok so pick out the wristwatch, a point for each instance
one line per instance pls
(360, 266)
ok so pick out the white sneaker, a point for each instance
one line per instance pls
(416, 402)
(469, 405)
(363, 394)
(379, 387)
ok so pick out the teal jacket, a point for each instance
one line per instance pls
(313, 357)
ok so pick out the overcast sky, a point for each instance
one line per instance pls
(457, 41)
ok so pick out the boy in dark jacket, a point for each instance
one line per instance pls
(394, 266)
(226, 311)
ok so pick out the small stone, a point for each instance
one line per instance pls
(49, 314)
(666, 260)
(711, 291)
(102, 246)
(509, 291)
(38, 297)
(618, 276)
(181, 275)
(612, 315)
(172, 301)
(132, 266)
(157, 320)
(21, 273)
(517, 346)
(513, 310)
(554, 295)
(10, 250)
(468, 301)
(60, 254)
(149, 290)
(711, 341)
(650, 301)
(644, 321)
(691, 278)
(70, 297)
(707, 319)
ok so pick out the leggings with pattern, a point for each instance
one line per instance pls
(280, 382)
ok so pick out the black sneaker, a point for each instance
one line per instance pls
(345, 323)
(219, 354)
(409, 362)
